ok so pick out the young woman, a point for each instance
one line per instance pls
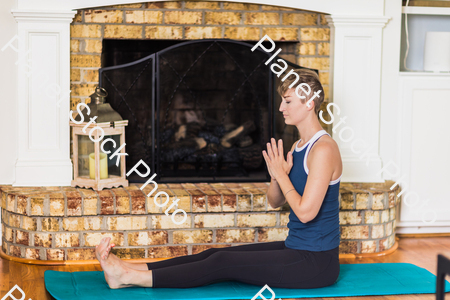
(308, 180)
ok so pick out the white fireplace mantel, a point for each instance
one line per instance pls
(43, 157)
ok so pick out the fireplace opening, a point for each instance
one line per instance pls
(201, 109)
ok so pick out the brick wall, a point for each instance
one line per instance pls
(65, 223)
(186, 20)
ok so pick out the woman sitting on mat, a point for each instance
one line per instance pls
(308, 180)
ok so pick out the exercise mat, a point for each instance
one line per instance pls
(354, 280)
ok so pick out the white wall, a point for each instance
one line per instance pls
(8, 98)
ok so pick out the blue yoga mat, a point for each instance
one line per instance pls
(354, 280)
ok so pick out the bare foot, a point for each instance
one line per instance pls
(116, 273)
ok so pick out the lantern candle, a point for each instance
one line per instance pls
(103, 166)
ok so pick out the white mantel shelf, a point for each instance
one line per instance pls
(44, 16)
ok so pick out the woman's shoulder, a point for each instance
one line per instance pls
(328, 142)
(327, 148)
(325, 144)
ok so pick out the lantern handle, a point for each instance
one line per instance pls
(101, 92)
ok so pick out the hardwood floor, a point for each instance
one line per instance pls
(419, 251)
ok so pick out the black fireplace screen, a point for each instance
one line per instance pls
(202, 110)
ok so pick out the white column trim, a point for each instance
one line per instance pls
(355, 86)
(43, 125)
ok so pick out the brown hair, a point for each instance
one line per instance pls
(304, 76)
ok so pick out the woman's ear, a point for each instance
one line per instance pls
(310, 105)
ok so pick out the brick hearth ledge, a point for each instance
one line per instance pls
(65, 223)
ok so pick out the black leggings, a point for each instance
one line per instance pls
(261, 263)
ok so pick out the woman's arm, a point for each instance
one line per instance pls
(274, 195)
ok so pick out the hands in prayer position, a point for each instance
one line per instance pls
(274, 157)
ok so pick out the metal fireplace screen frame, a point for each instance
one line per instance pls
(170, 72)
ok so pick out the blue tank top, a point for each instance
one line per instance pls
(323, 232)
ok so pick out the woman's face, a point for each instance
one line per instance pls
(294, 111)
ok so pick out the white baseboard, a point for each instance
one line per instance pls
(420, 227)
(43, 173)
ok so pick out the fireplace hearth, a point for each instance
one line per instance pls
(201, 109)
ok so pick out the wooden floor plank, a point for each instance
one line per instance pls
(419, 251)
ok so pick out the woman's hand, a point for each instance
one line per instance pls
(274, 158)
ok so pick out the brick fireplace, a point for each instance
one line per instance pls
(64, 223)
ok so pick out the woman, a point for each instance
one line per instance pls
(308, 180)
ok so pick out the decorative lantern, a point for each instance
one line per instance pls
(98, 145)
